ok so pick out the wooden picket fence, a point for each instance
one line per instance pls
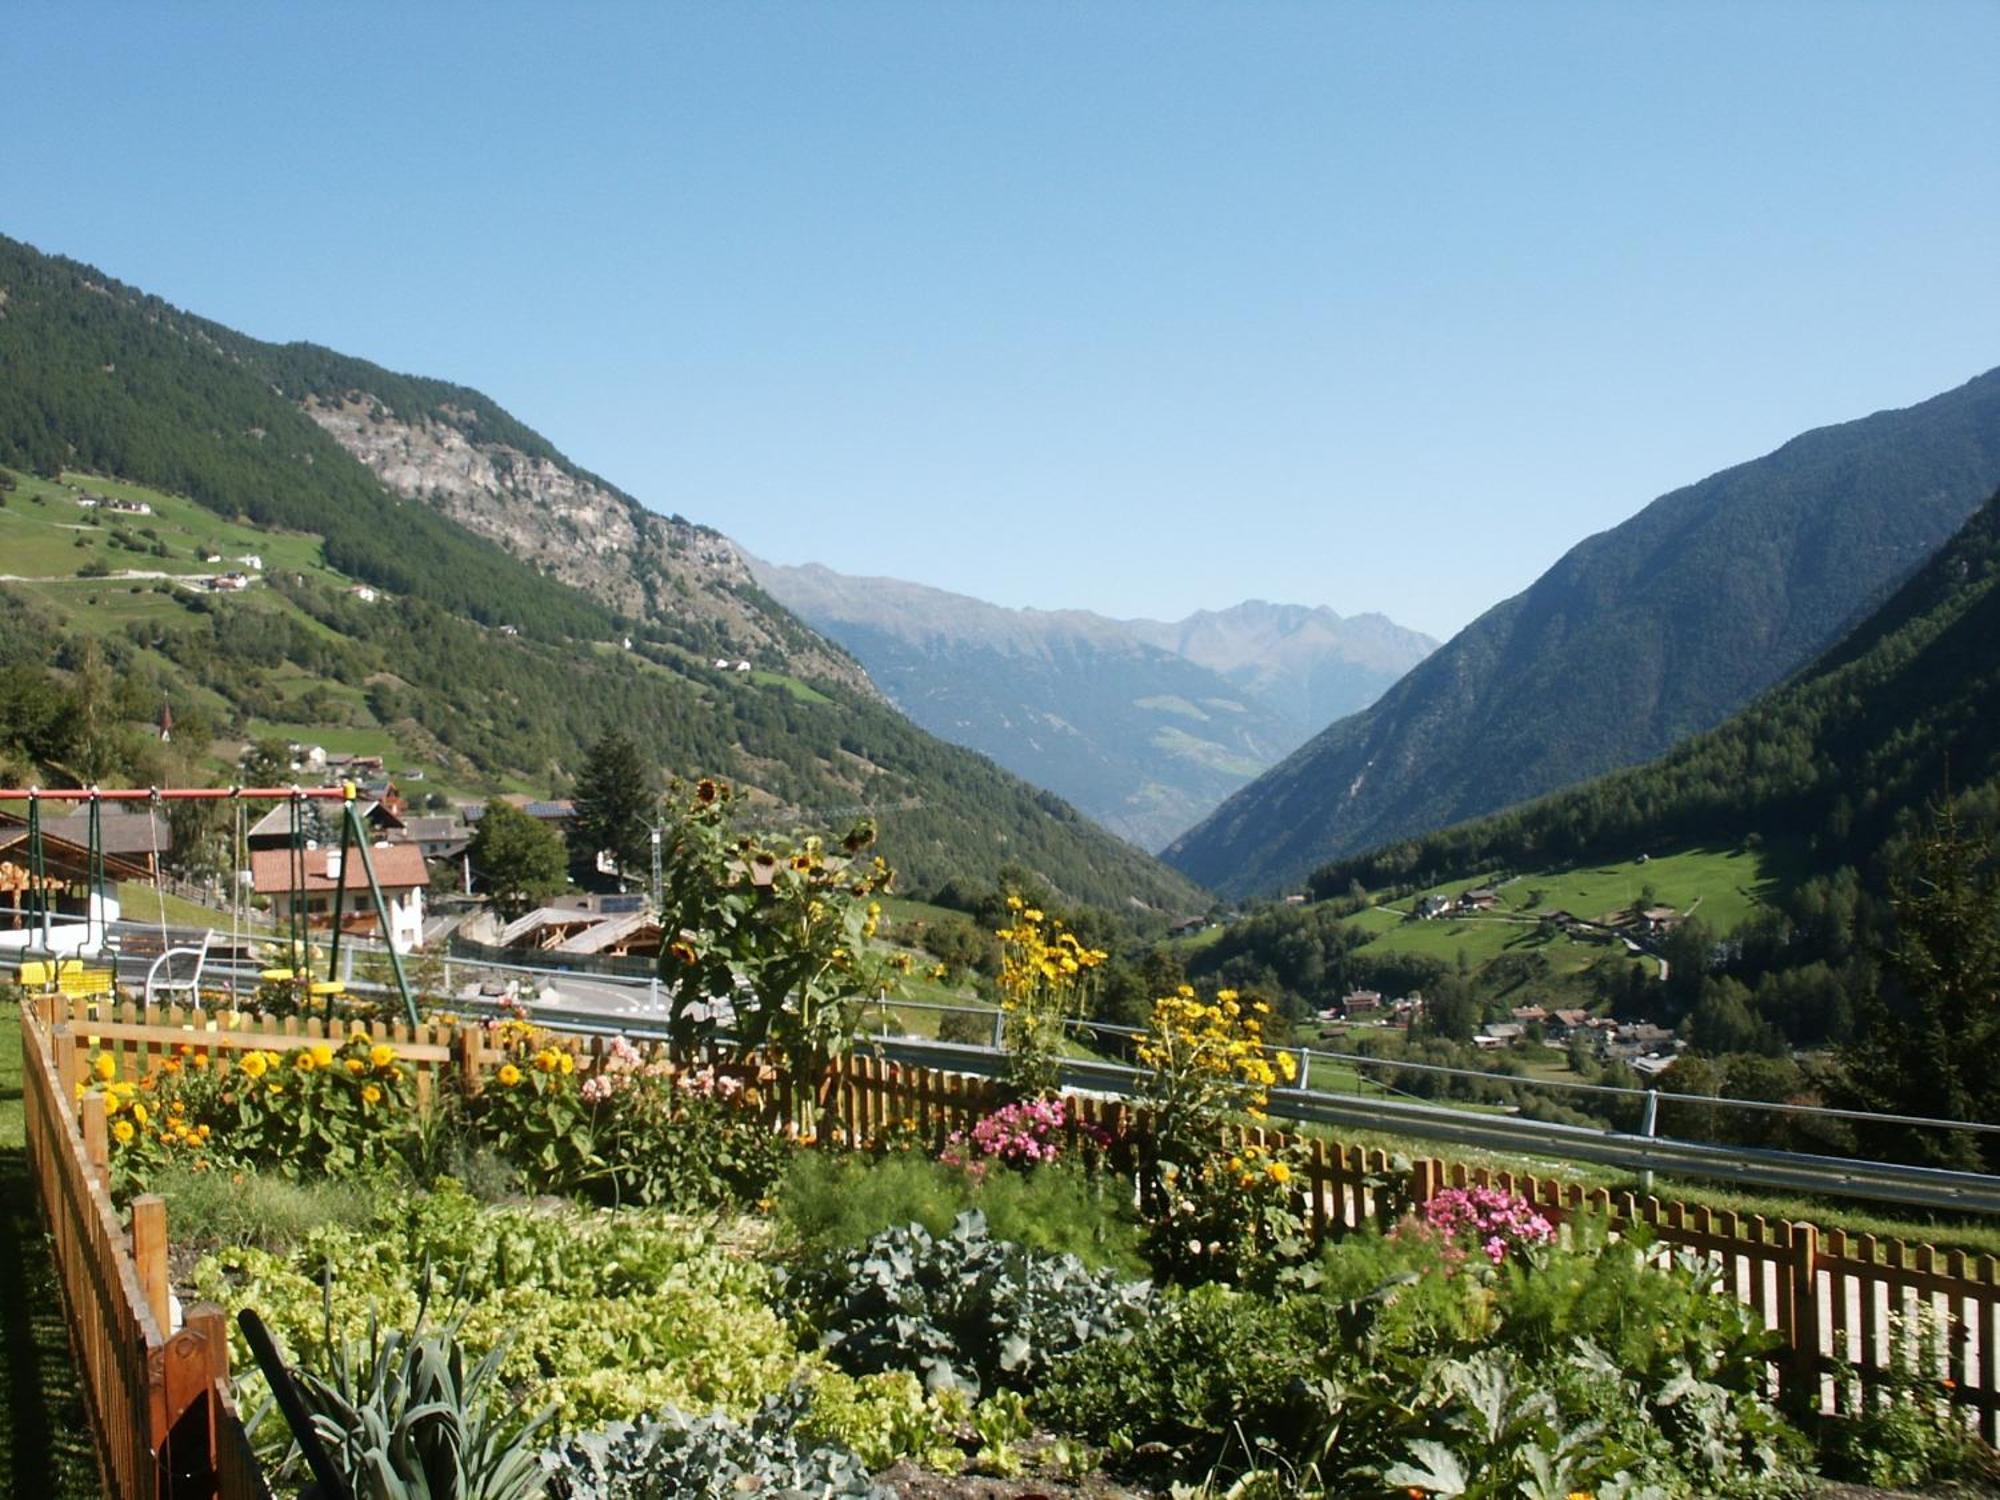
(1830, 1299)
(158, 1395)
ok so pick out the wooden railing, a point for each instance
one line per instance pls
(1829, 1299)
(158, 1395)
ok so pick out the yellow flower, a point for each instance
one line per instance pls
(122, 1132)
(509, 1075)
(381, 1054)
(304, 1061)
(568, 1063)
(254, 1064)
(202, 1131)
(105, 1066)
(371, 1095)
(275, 1090)
(1280, 1173)
(322, 1055)
(139, 1114)
(356, 1066)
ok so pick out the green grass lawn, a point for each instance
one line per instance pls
(45, 1443)
(138, 902)
(1721, 886)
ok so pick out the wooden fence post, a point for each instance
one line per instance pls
(67, 1063)
(1798, 1380)
(1424, 1180)
(467, 1045)
(97, 1135)
(194, 1369)
(149, 1254)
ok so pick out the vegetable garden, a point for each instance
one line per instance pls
(592, 1270)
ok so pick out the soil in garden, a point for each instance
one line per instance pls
(911, 1483)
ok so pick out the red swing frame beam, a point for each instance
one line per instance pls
(168, 794)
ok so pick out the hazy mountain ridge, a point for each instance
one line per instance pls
(1124, 718)
(1636, 638)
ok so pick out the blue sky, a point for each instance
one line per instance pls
(1139, 308)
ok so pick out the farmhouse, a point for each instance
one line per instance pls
(1361, 1002)
(399, 870)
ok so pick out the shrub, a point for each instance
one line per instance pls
(964, 1311)
(1652, 1314)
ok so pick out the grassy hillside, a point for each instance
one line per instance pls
(475, 667)
(1634, 640)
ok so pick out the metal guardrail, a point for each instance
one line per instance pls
(1642, 1154)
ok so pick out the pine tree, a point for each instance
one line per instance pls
(617, 797)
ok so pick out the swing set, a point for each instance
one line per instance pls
(53, 938)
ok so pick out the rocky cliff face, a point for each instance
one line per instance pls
(663, 568)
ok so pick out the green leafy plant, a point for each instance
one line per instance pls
(964, 1310)
(410, 1417)
(677, 1457)
(694, 1326)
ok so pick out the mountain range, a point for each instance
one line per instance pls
(1634, 640)
(440, 582)
(1144, 724)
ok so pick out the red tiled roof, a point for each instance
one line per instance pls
(397, 867)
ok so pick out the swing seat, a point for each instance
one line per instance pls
(276, 976)
(329, 987)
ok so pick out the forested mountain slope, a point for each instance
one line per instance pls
(1903, 711)
(1637, 638)
(1111, 714)
(501, 667)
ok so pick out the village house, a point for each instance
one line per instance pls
(1361, 1003)
(134, 837)
(399, 870)
(1479, 898)
(319, 823)
(1432, 906)
(1658, 921)
(438, 836)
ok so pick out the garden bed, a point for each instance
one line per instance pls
(672, 1282)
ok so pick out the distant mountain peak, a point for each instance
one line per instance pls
(1143, 724)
